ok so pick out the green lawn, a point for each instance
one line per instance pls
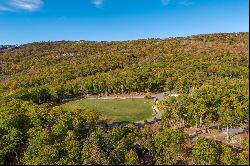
(115, 110)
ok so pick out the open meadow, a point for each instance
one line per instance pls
(115, 110)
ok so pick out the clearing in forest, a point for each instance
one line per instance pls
(115, 110)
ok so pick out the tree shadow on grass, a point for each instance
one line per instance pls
(106, 124)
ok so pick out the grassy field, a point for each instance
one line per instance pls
(115, 110)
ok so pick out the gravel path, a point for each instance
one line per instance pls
(157, 116)
(159, 96)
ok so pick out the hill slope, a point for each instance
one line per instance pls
(209, 72)
(51, 71)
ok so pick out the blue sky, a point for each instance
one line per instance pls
(25, 21)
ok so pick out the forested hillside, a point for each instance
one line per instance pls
(210, 72)
(50, 71)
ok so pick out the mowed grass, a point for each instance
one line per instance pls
(115, 110)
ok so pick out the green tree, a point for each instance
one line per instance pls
(92, 152)
(206, 151)
(170, 147)
(231, 113)
(131, 158)
(227, 156)
(242, 158)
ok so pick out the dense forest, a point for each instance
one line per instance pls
(210, 72)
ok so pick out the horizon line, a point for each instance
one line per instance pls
(99, 41)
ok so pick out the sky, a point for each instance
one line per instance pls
(26, 21)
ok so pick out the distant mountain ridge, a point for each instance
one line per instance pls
(4, 47)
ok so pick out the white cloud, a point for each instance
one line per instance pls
(30, 5)
(98, 3)
(17, 5)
